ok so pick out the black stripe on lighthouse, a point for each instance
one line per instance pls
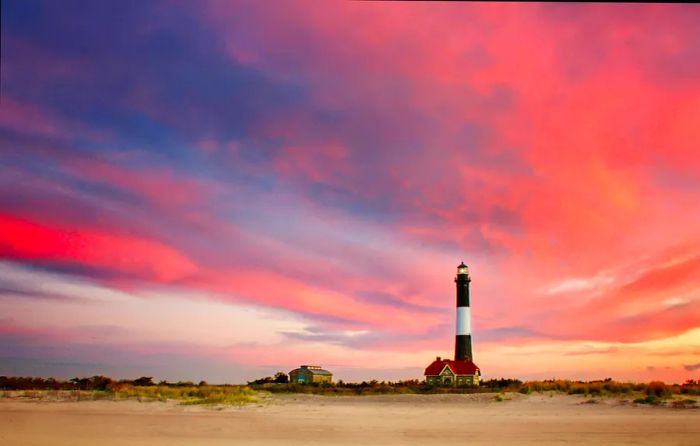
(463, 338)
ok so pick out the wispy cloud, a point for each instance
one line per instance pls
(578, 284)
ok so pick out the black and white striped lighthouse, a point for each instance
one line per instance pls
(463, 341)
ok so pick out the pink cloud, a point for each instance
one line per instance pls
(32, 240)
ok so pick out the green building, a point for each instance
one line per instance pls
(309, 374)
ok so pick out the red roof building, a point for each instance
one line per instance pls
(451, 372)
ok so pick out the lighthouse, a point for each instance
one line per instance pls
(463, 338)
(460, 371)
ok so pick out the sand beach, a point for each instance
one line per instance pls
(476, 419)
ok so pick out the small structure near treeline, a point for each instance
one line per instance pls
(310, 374)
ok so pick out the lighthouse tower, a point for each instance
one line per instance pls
(463, 340)
(461, 370)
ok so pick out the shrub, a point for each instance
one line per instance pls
(684, 403)
(578, 390)
(658, 389)
(649, 399)
(144, 381)
(279, 378)
(526, 390)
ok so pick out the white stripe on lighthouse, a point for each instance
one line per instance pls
(463, 321)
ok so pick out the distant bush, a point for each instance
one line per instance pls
(501, 384)
(658, 390)
(144, 381)
(685, 403)
(649, 399)
(279, 378)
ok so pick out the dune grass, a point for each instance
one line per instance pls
(195, 395)
(188, 395)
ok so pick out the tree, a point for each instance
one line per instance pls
(144, 381)
(281, 378)
(81, 383)
(100, 382)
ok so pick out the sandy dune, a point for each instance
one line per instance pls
(386, 420)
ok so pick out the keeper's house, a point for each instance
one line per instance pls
(448, 372)
(309, 374)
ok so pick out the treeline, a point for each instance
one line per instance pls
(98, 382)
(279, 378)
(606, 387)
(279, 384)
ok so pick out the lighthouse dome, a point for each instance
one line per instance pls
(462, 269)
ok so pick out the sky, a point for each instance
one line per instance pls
(221, 190)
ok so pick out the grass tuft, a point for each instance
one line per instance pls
(684, 404)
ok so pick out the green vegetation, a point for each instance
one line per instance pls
(600, 388)
(525, 390)
(204, 394)
(145, 389)
(684, 403)
(142, 389)
(649, 399)
(279, 378)
(606, 387)
(372, 387)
